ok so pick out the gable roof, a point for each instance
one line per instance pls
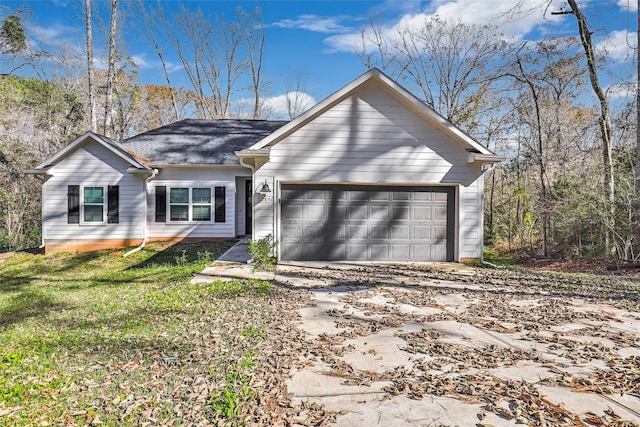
(406, 97)
(108, 143)
(200, 142)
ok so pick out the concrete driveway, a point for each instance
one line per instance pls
(445, 345)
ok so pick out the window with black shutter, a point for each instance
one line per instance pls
(220, 201)
(113, 204)
(73, 204)
(161, 203)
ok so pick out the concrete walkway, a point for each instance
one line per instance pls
(234, 264)
(403, 345)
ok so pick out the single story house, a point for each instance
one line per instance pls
(369, 173)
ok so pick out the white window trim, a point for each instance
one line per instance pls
(104, 205)
(190, 205)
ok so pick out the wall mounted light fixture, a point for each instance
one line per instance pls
(264, 188)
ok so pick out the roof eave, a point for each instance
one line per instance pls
(485, 158)
(47, 171)
(81, 139)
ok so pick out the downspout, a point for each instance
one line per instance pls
(154, 172)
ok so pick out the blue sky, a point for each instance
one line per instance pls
(317, 38)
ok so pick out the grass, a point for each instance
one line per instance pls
(89, 338)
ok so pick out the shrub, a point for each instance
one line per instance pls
(263, 252)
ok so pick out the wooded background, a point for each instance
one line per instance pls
(569, 186)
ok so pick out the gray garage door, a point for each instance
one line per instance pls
(364, 223)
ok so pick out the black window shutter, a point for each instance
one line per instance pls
(113, 204)
(161, 203)
(220, 204)
(73, 204)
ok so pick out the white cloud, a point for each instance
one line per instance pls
(619, 46)
(299, 101)
(315, 23)
(55, 34)
(620, 91)
(501, 13)
(143, 63)
(631, 5)
(277, 106)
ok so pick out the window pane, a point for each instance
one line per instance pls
(201, 195)
(202, 213)
(93, 195)
(179, 213)
(179, 195)
(92, 213)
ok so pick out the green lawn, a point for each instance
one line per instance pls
(95, 338)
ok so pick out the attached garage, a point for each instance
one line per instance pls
(370, 174)
(366, 223)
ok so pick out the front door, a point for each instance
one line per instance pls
(248, 207)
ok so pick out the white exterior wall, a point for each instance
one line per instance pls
(196, 176)
(372, 138)
(92, 165)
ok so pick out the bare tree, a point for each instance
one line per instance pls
(149, 20)
(605, 121)
(296, 99)
(111, 70)
(252, 26)
(90, 67)
(220, 57)
(447, 62)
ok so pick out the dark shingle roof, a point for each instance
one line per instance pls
(191, 141)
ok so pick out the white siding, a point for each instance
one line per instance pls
(195, 177)
(371, 137)
(92, 165)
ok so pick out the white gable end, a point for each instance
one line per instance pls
(370, 136)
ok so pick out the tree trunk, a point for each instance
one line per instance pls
(543, 184)
(92, 101)
(111, 69)
(637, 168)
(605, 127)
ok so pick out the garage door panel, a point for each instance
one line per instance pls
(440, 197)
(421, 251)
(422, 213)
(422, 233)
(358, 211)
(335, 222)
(439, 233)
(294, 233)
(358, 231)
(379, 232)
(439, 251)
(440, 213)
(292, 212)
(400, 251)
(315, 195)
(379, 251)
(400, 232)
(380, 196)
(401, 213)
(401, 195)
(337, 212)
(422, 196)
(314, 212)
(357, 252)
(379, 212)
